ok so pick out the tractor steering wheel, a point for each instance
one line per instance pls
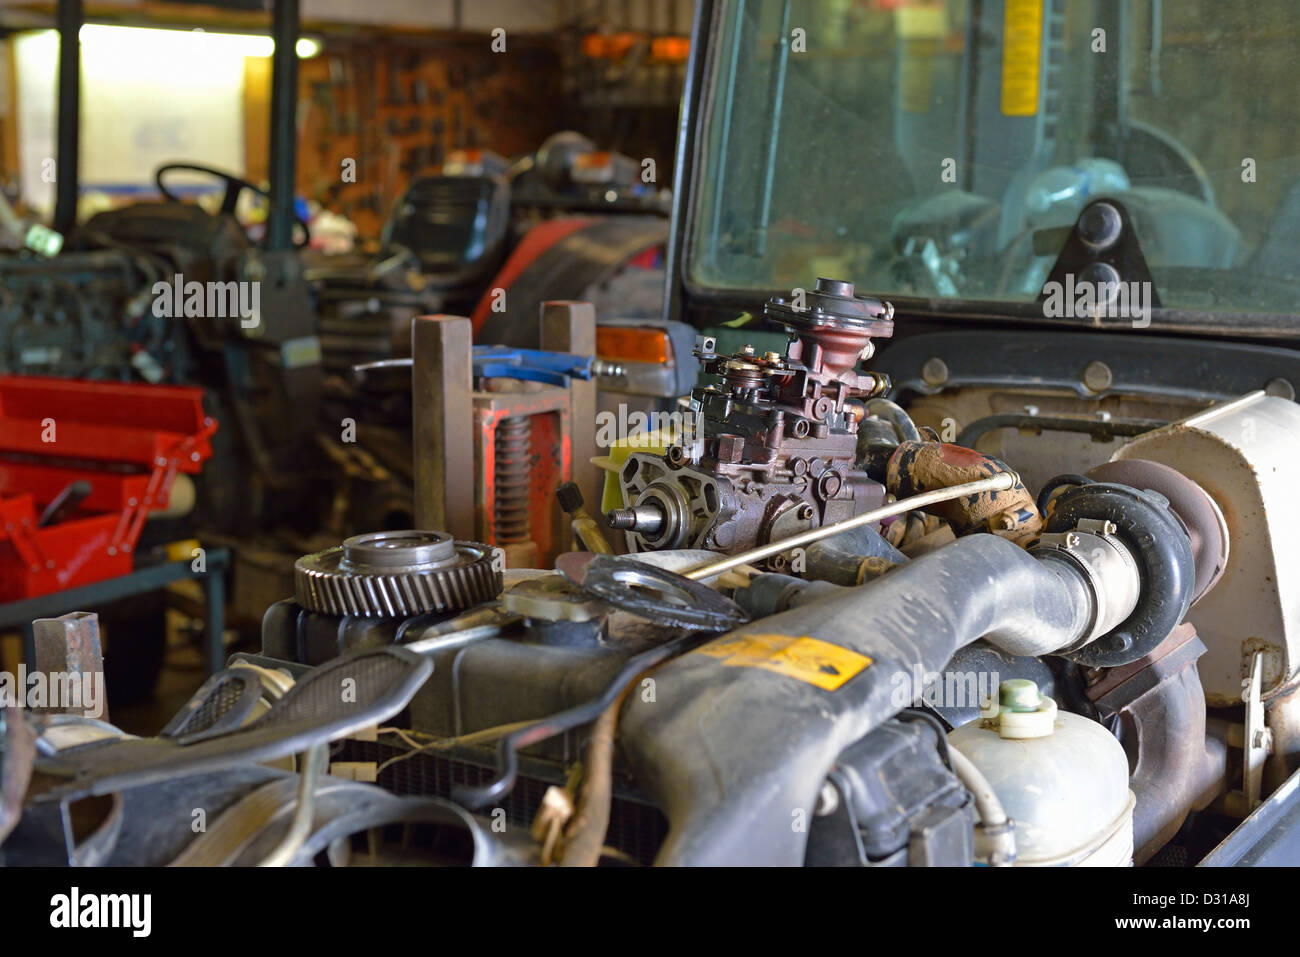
(234, 186)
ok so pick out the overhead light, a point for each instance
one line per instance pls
(126, 40)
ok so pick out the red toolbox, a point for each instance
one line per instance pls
(125, 441)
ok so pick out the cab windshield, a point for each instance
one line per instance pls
(942, 150)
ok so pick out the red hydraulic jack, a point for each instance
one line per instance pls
(82, 464)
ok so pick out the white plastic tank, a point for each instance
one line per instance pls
(1062, 778)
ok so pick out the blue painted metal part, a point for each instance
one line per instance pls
(554, 368)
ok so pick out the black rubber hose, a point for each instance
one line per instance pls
(744, 730)
(1055, 482)
(1162, 549)
(839, 558)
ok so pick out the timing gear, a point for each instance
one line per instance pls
(397, 574)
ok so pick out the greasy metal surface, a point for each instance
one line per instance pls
(772, 448)
(659, 595)
(999, 481)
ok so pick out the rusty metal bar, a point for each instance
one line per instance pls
(69, 645)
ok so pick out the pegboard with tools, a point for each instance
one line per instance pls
(372, 116)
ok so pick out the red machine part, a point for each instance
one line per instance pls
(127, 441)
(523, 450)
(535, 242)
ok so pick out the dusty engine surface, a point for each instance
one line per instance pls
(772, 447)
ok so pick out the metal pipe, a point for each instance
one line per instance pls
(998, 831)
(1001, 482)
(1232, 405)
(284, 125)
(70, 18)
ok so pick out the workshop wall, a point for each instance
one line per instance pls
(373, 115)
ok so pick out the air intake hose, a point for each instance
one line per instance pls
(740, 734)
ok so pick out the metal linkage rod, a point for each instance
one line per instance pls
(1001, 482)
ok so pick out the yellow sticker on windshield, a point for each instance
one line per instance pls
(1022, 56)
(806, 659)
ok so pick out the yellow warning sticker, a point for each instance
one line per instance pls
(1022, 55)
(806, 659)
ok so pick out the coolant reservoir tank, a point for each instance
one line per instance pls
(1062, 779)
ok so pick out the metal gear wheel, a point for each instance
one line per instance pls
(396, 575)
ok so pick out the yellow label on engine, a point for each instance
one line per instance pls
(806, 659)
(1022, 56)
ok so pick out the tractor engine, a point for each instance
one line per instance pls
(772, 447)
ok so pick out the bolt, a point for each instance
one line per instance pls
(620, 519)
(1280, 387)
(1097, 376)
(934, 371)
(1100, 226)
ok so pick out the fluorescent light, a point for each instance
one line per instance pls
(131, 41)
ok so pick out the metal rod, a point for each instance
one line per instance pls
(70, 18)
(1001, 482)
(284, 125)
(1214, 411)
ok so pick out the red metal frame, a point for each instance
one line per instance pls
(550, 460)
(127, 441)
